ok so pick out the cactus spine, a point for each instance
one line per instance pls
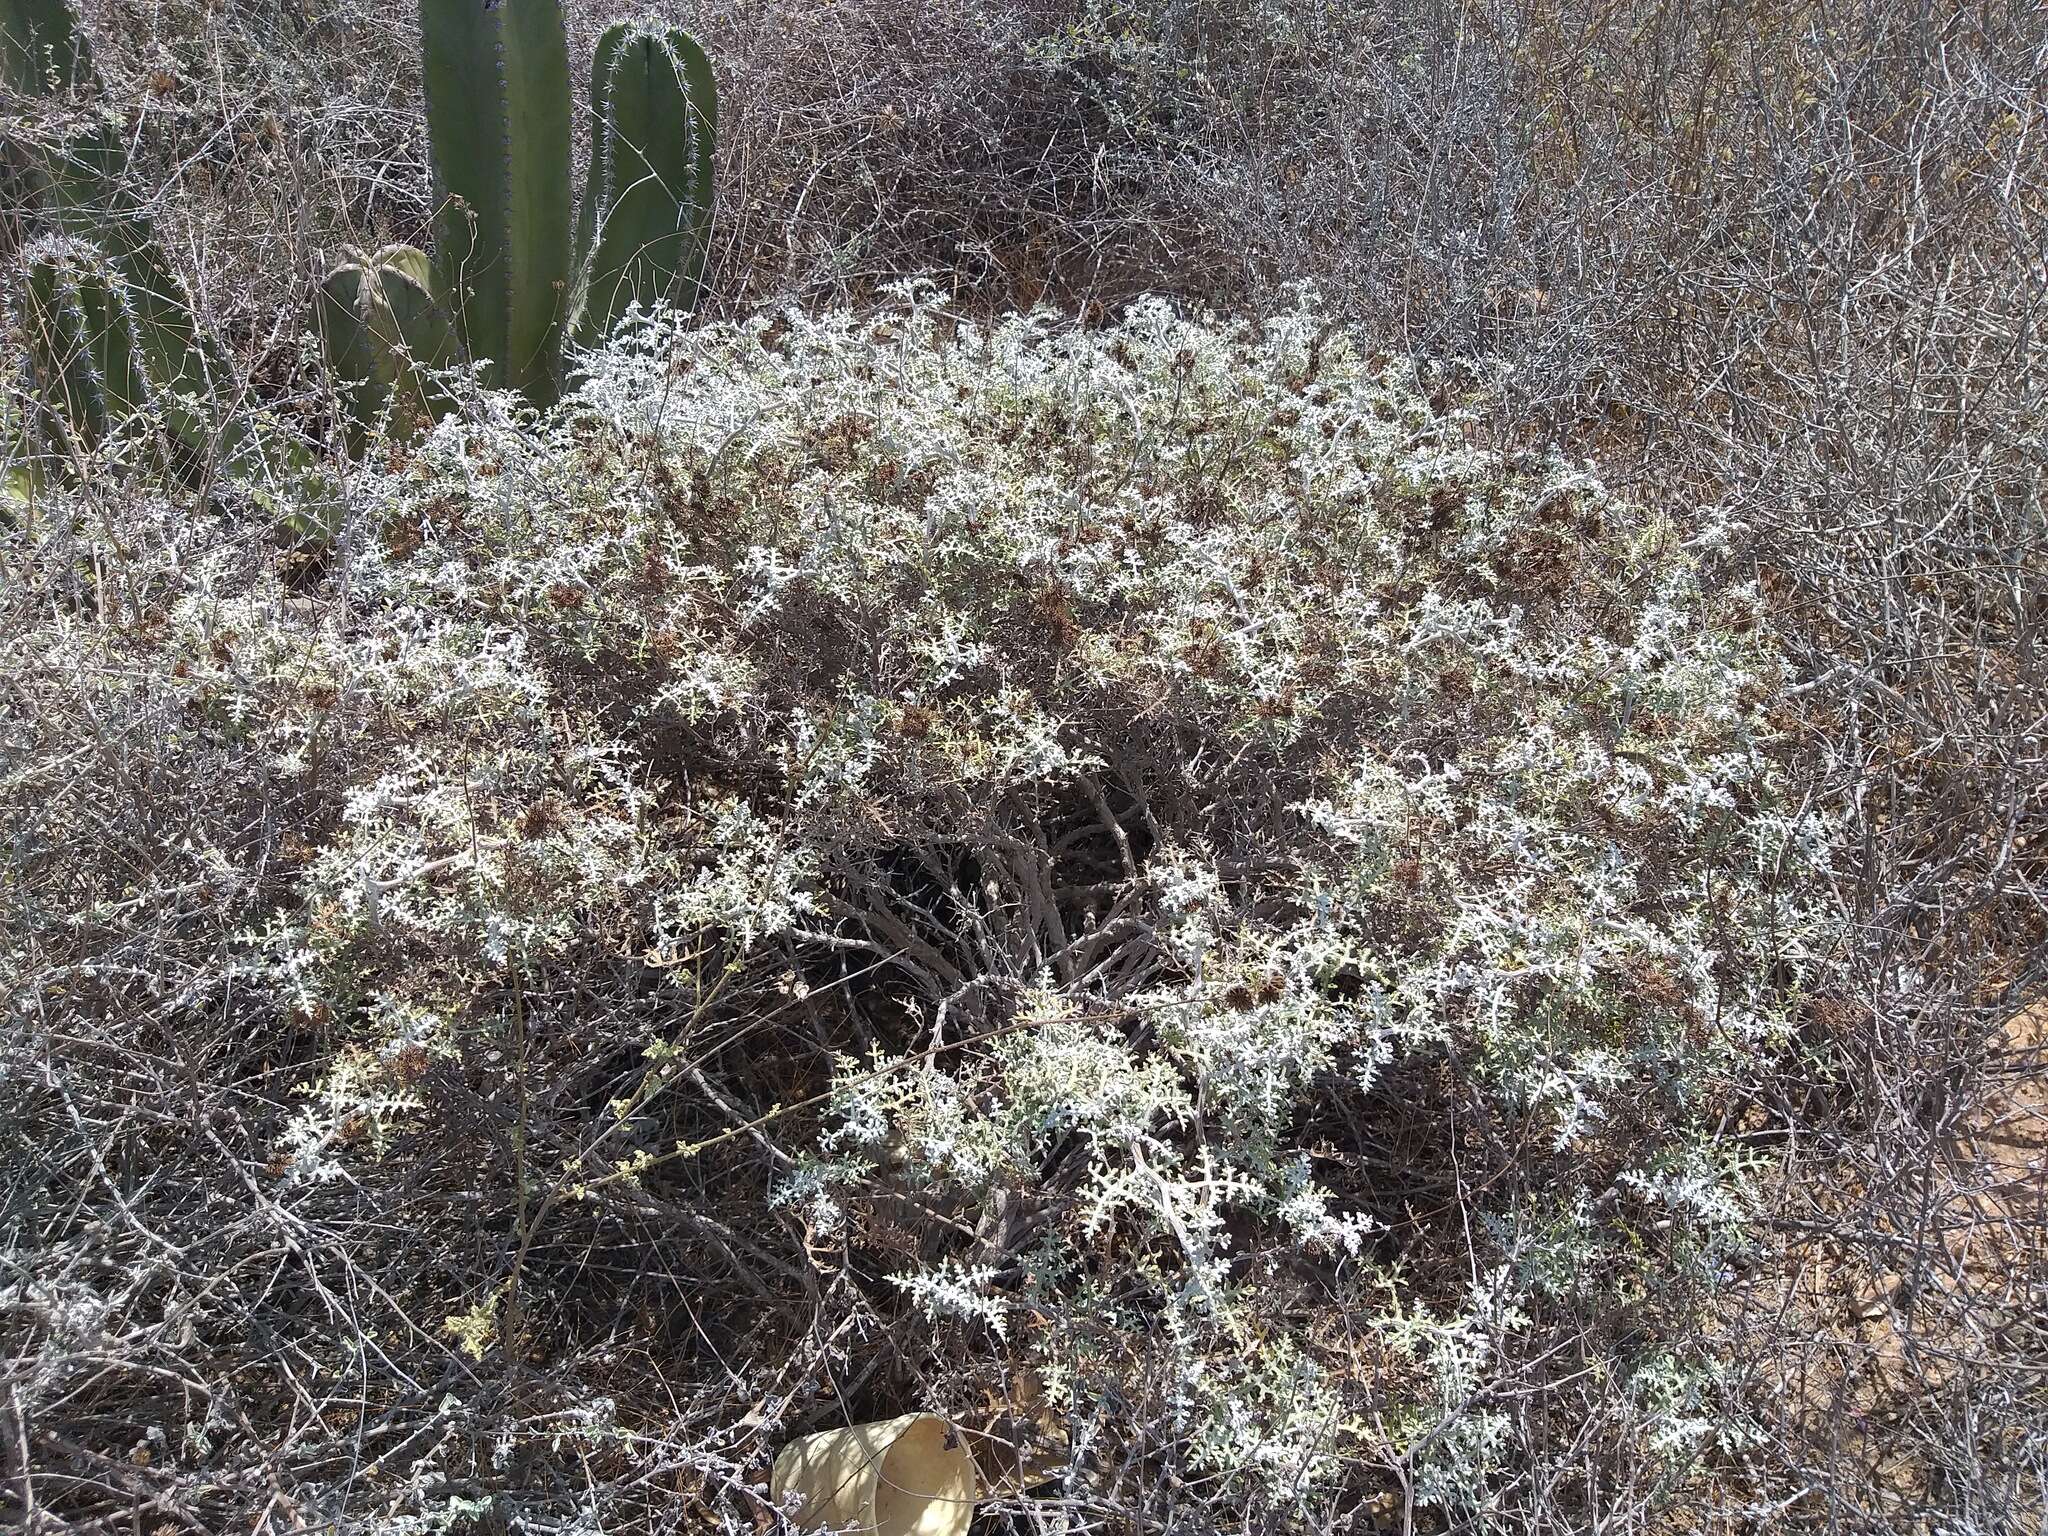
(646, 210)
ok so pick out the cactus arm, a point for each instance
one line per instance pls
(410, 262)
(465, 117)
(363, 371)
(110, 333)
(72, 404)
(144, 345)
(382, 330)
(89, 370)
(41, 47)
(498, 117)
(85, 187)
(422, 335)
(648, 143)
(87, 195)
(543, 189)
(182, 359)
(632, 234)
(98, 363)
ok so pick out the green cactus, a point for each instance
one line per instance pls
(111, 340)
(81, 188)
(514, 277)
(497, 78)
(42, 51)
(80, 338)
(189, 372)
(43, 54)
(512, 280)
(383, 334)
(646, 213)
(99, 367)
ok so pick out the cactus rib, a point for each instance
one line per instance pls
(703, 91)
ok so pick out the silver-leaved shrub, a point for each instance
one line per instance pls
(1159, 857)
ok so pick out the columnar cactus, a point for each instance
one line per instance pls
(80, 188)
(497, 79)
(41, 48)
(383, 334)
(646, 217)
(44, 53)
(512, 279)
(80, 337)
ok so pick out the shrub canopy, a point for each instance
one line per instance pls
(862, 859)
